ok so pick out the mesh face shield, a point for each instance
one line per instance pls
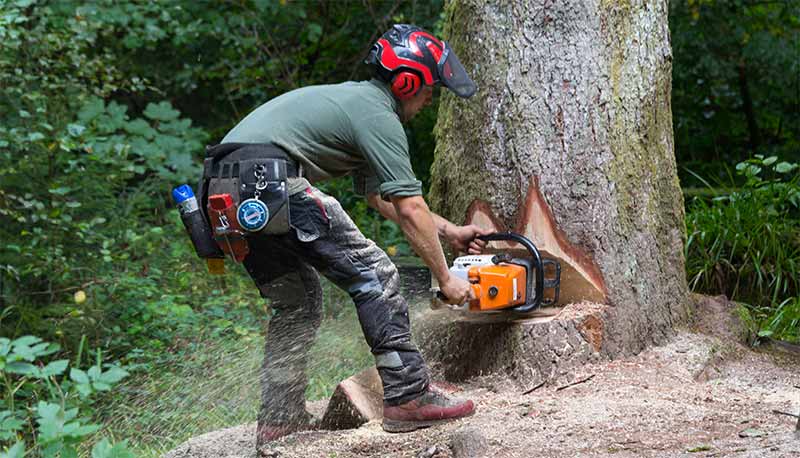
(453, 75)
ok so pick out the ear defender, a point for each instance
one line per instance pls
(406, 85)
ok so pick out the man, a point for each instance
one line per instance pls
(354, 128)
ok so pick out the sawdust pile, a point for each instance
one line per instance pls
(696, 396)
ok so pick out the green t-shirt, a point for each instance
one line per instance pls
(335, 130)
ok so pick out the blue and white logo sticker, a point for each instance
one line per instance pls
(252, 215)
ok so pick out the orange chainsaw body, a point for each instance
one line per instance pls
(498, 286)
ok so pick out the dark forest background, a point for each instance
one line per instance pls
(106, 105)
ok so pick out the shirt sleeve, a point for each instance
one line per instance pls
(365, 182)
(384, 145)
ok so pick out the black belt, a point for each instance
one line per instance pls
(222, 161)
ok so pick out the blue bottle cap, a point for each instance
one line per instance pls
(181, 193)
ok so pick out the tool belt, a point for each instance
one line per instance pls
(244, 192)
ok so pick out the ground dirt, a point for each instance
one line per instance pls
(702, 394)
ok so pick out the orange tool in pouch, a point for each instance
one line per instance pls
(227, 232)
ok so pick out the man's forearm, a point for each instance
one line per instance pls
(420, 228)
(387, 210)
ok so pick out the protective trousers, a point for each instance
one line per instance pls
(324, 239)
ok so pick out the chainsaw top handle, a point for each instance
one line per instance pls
(537, 259)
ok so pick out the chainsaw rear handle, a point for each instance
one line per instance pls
(476, 289)
(537, 259)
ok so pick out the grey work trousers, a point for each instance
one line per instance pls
(324, 239)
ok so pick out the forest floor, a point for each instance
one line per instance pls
(702, 394)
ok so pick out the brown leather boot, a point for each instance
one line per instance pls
(432, 408)
(266, 433)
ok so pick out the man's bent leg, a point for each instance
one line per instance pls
(361, 268)
(334, 245)
(296, 301)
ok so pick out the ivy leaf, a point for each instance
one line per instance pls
(78, 376)
(60, 191)
(100, 386)
(784, 167)
(140, 127)
(104, 449)
(113, 375)
(162, 111)
(91, 110)
(75, 130)
(114, 119)
(26, 340)
(177, 127)
(94, 373)
(9, 424)
(314, 32)
(55, 368)
(17, 451)
(18, 367)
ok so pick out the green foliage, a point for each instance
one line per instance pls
(83, 176)
(783, 322)
(43, 410)
(735, 88)
(93, 136)
(746, 243)
(214, 382)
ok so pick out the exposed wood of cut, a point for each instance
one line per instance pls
(581, 279)
(355, 401)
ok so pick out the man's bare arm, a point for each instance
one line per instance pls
(462, 238)
(387, 209)
(416, 220)
(422, 231)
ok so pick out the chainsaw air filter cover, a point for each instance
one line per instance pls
(498, 282)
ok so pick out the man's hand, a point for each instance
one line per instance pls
(456, 290)
(463, 238)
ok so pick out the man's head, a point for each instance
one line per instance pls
(411, 106)
(412, 61)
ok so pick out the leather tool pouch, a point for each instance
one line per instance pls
(239, 169)
(273, 192)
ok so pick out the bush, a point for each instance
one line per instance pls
(745, 243)
(44, 411)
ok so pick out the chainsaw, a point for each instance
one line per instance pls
(502, 283)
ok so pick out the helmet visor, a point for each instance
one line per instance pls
(453, 74)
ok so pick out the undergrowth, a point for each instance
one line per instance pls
(745, 243)
(213, 383)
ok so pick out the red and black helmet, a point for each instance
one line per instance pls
(407, 57)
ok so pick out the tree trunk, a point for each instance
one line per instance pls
(568, 141)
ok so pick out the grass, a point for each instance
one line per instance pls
(745, 243)
(216, 385)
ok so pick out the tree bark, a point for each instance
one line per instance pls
(569, 141)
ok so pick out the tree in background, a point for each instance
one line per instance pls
(736, 86)
(92, 140)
